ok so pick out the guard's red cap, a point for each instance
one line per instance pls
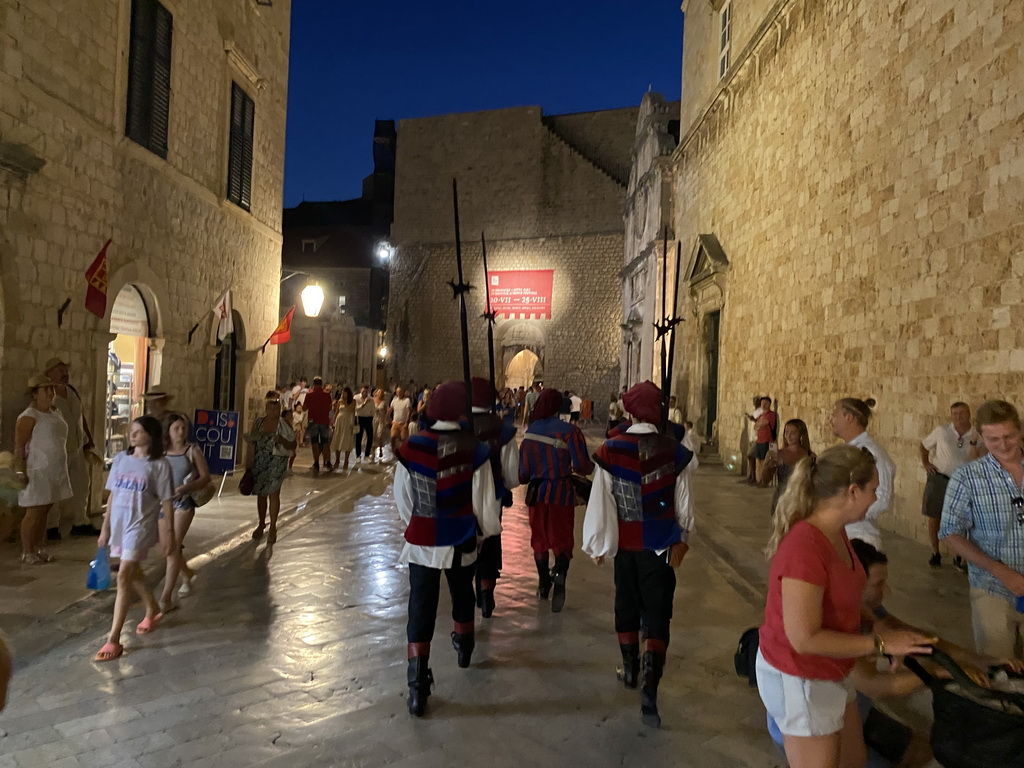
(548, 404)
(643, 400)
(448, 402)
(483, 393)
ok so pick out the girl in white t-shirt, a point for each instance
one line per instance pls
(141, 494)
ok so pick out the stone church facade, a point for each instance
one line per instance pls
(548, 192)
(187, 219)
(849, 190)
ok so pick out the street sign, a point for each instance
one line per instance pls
(216, 433)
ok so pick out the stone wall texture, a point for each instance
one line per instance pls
(543, 204)
(864, 173)
(63, 82)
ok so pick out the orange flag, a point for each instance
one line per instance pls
(96, 277)
(283, 332)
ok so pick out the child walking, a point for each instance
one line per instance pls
(141, 493)
(189, 473)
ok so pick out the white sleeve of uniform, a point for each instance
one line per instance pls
(485, 505)
(684, 499)
(403, 492)
(600, 525)
(510, 465)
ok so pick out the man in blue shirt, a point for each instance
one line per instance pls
(983, 522)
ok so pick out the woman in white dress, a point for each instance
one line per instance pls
(41, 459)
(343, 439)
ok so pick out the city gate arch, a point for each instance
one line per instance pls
(522, 353)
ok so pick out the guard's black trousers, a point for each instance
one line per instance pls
(644, 587)
(488, 564)
(424, 592)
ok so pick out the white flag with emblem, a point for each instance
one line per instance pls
(222, 312)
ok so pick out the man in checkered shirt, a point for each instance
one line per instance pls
(983, 522)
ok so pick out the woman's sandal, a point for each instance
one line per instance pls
(109, 652)
(258, 533)
(147, 625)
(272, 537)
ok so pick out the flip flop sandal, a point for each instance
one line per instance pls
(109, 652)
(147, 625)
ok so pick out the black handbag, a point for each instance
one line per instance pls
(966, 732)
(745, 658)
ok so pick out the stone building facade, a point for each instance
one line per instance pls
(71, 178)
(548, 193)
(860, 168)
(648, 217)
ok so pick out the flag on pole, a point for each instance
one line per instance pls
(283, 332)
(96, 277)
(222, 313)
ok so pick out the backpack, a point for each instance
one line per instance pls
(745, 659)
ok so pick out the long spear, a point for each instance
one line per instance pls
(664, 294)
(489, 315)
(459, 291)
(672, 323)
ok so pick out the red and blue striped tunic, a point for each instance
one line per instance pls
(554, 463)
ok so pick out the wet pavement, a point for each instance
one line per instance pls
(295, 656)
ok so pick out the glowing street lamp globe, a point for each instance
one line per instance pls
(312, 297)
(383, 352)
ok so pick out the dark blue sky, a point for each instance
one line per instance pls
(354, 61)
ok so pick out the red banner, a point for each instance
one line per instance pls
(521, 294)
(96, 277)
(283, 333)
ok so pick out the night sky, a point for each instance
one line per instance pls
(354, 61)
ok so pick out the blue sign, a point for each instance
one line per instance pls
(216, 433)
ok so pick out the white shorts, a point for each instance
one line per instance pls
(801, 706)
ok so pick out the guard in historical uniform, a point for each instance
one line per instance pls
(445, 494)
(497, 434)
(551, 451)
(641, 513)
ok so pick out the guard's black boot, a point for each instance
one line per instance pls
(558, 576)
(544, 572)
(463, 643)
(651, 667)
(630, 664)
(420, 678)
(485, 599)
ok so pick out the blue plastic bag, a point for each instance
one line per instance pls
(99, 571)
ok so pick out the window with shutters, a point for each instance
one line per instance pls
(149, 76)
(243, 111)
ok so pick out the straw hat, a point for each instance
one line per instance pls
(53, 362)
(36, 382)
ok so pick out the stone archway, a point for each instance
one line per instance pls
(521, 370)
(516, 337)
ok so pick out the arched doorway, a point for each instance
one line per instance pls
(225, 372)
(521, 370)
(128, 364)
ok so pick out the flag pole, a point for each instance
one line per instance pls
(459, 291)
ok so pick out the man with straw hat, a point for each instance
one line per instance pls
(157, 401)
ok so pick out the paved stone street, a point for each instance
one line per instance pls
(295, 656)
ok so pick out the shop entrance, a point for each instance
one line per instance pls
(127, 367)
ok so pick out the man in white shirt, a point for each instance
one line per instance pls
(441, 530)
(364, 418)
(675, 413)
(399, 412)
(644, 522)
(850, 417)
(943, 452)
(752, 440)
(575, 406)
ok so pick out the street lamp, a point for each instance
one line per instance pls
(383, 352)
(312, 297)
(385, 250)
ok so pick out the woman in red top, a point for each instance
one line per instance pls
(811, 632)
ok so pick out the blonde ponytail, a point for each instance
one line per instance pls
(815, 479)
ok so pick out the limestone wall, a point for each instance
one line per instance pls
(581, 341)
(865, 177)
(63, 80)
